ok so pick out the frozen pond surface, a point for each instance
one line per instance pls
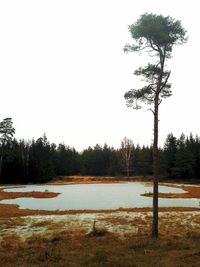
(97, 196)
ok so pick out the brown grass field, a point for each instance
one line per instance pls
(60, 245)
(120, 238)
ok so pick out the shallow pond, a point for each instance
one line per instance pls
(97, 196)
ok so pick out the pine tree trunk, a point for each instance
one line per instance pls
(1, 162)
(155, 170)
(1, 159)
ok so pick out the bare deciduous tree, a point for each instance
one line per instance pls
(125, 152)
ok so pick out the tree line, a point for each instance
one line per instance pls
(38, 161)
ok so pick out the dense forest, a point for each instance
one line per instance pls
(39, 160)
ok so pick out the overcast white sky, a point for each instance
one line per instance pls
(63, 71)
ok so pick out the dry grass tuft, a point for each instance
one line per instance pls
(97, 231)
(43, 223)
(12, 222)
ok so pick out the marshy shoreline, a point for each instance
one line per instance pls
(12, 210)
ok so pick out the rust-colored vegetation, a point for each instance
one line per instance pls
(76, 248)
(13, 195)
(192, 192)
(78, 179)
(10, 223)
(11, 210)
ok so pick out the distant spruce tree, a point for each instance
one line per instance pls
(170, 151)
(6, 134)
